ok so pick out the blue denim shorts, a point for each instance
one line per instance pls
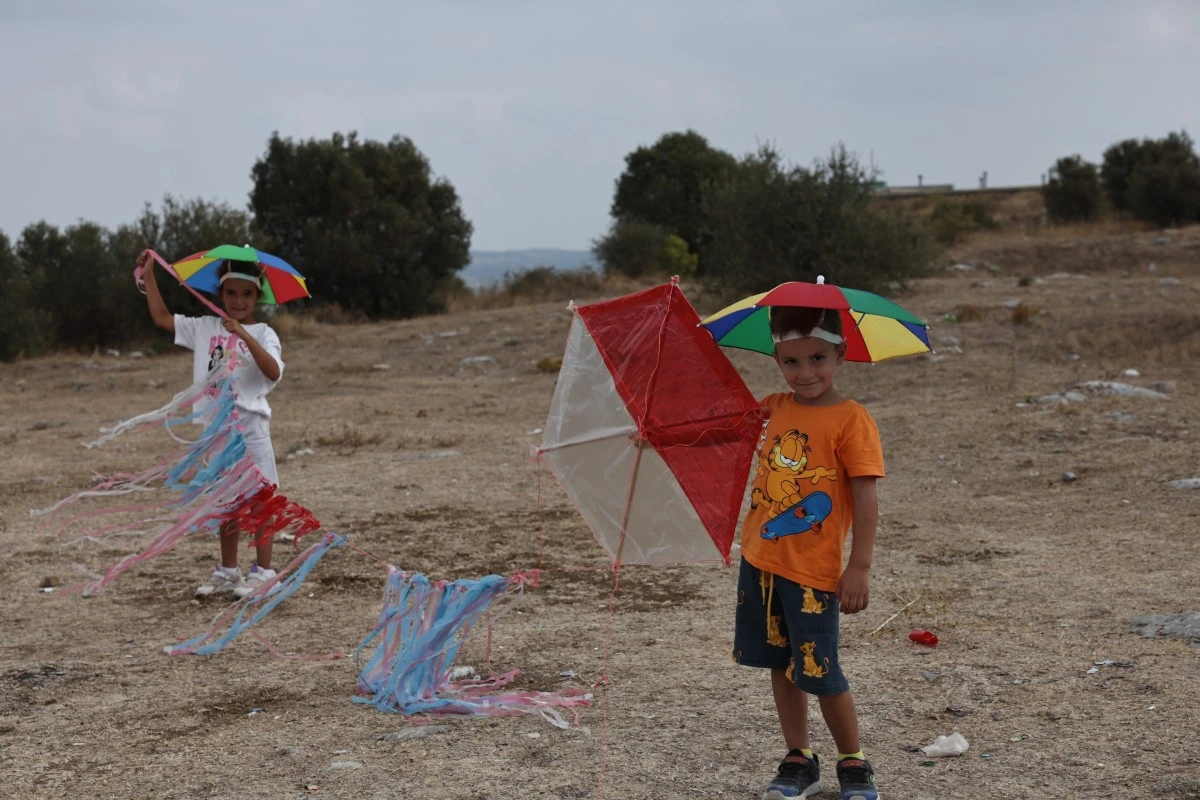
(780, 624)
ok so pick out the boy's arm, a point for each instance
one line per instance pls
(162, 317)
(854, 587)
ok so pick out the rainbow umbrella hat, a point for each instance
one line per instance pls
(281, 281)
(875, 328)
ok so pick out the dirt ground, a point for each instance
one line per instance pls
(1027, 574)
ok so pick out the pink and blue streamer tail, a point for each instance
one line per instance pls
(250, 611)
(421, 628)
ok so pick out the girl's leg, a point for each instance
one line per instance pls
(229, 545)
(792, 706)
(842, 719)
(264, 544)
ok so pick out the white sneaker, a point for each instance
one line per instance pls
(222, 580)
(255, 580)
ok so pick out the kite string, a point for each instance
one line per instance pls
(140, 283)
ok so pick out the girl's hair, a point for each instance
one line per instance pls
(802, 319)
(243, 267)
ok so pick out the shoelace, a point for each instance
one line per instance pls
(854, 770)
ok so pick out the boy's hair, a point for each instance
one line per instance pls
(802, 319)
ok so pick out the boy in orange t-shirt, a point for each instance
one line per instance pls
(819, 458)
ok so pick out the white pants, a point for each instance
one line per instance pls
(257, 433)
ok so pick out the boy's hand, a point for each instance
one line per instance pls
(854, 592)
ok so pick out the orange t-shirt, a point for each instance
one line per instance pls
(801, 506)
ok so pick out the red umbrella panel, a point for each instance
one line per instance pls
(651, 431)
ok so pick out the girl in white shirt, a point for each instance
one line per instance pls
(257, 371)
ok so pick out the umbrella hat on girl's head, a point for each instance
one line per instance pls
(877, 327)
(281, 281)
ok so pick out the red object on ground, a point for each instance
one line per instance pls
(923, 637)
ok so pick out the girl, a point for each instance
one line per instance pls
(258, 370)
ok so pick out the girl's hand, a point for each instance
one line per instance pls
(145, 262)
(235, 327)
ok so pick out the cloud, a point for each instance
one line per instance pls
(529, 107)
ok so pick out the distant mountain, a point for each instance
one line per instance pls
(489, 266)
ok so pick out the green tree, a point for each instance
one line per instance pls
(21, 332)
(365, 221)
(1116, 170)
(663, 185)
(1165, 185)
(772, 222)
(184, 227)
(1072, 192)
(82, 285)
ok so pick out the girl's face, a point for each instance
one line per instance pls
(239, 298)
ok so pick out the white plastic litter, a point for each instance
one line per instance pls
(944, 746)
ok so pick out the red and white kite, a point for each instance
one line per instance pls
(651, 430)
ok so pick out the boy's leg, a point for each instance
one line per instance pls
(792, 707)
(842, 719)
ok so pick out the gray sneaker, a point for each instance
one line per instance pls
(798, 776)
(255, 580)
(221, 581)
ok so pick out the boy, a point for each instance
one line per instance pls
(819, 458)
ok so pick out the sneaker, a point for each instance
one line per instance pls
(221, 580)
(798, 776)
(255, 580)
(857, 779)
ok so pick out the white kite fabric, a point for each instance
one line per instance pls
(650, 430)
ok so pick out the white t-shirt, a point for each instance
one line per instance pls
(210, 343)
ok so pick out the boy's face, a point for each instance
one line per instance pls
(808, 365)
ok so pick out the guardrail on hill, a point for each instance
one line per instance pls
(948, 189)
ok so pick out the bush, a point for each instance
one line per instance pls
(952, 221)
(773, 223)
(1158, 180)
(1072, 192)
(634, 249)
(1165, 186)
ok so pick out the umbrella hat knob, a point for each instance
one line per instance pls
(820, 279)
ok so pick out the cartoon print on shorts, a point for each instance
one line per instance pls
(811, 604)
(811, 668)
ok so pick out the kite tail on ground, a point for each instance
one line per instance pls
(421, 627)
(258, 605)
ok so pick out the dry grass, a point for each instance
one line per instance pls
(347, 438)
(544, 285)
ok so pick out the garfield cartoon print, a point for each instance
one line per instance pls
(782, 477)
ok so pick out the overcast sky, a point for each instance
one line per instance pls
(529, 108)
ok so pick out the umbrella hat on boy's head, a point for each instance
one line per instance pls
(874, 327)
